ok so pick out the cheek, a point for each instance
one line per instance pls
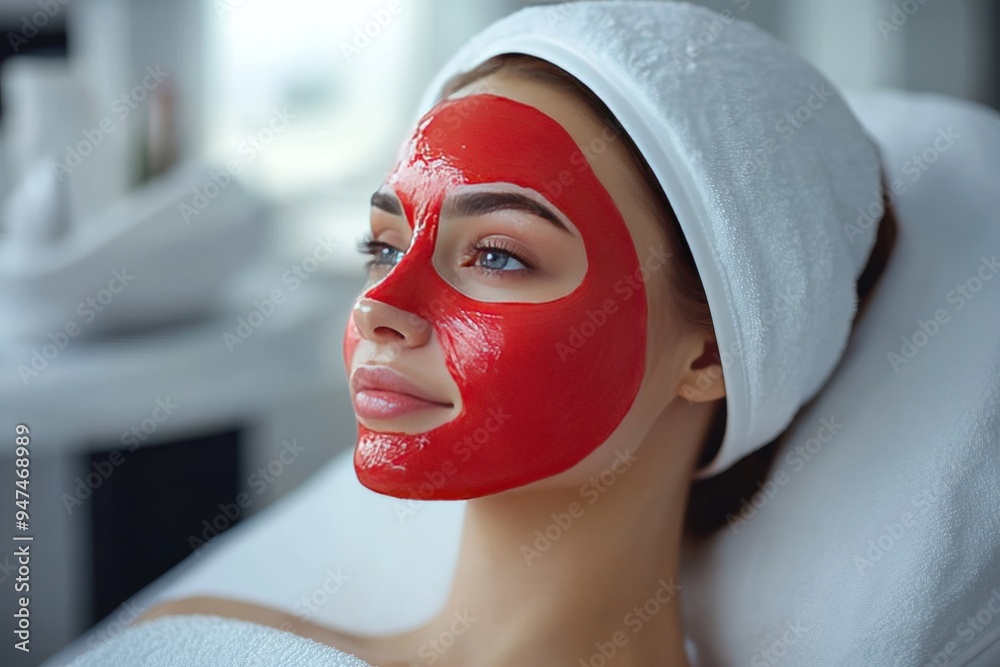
(552, 363)
(665, 327)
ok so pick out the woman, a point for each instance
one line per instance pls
(567, 329)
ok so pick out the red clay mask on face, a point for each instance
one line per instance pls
(542, 384)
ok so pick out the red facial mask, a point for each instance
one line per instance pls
(542, 384)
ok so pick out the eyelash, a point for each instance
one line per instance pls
(367, 245)
(474, 249)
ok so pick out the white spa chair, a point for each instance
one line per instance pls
(878, 546)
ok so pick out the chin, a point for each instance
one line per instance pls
(409, 473)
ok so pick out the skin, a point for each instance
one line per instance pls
(581, 589)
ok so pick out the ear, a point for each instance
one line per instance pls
(702, 378)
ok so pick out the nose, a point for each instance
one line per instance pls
(379, 322)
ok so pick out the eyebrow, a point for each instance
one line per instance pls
(472, 204)
(387, 202)
(481, 203)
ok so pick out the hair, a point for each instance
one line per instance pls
(711, 501)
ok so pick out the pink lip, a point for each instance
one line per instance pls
(381, 393)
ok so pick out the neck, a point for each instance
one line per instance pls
(574, 574)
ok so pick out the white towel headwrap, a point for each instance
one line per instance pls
(763, 163)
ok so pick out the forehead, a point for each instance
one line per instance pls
(597, 144)
(574, 117)
(487, 138)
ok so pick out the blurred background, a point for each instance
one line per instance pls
(181, 187)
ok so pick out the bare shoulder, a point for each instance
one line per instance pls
(358, 645)
(218, 607)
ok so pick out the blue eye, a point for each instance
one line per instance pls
(496, 257)
(493, 258)
(382, 254)
(387, 255)
(499, 260)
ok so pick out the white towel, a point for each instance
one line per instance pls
(763, 163)
(212, 641)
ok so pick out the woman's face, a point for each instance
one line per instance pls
(516, 325)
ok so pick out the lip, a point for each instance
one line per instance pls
(379, 392)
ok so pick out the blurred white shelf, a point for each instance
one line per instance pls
(95, 390)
